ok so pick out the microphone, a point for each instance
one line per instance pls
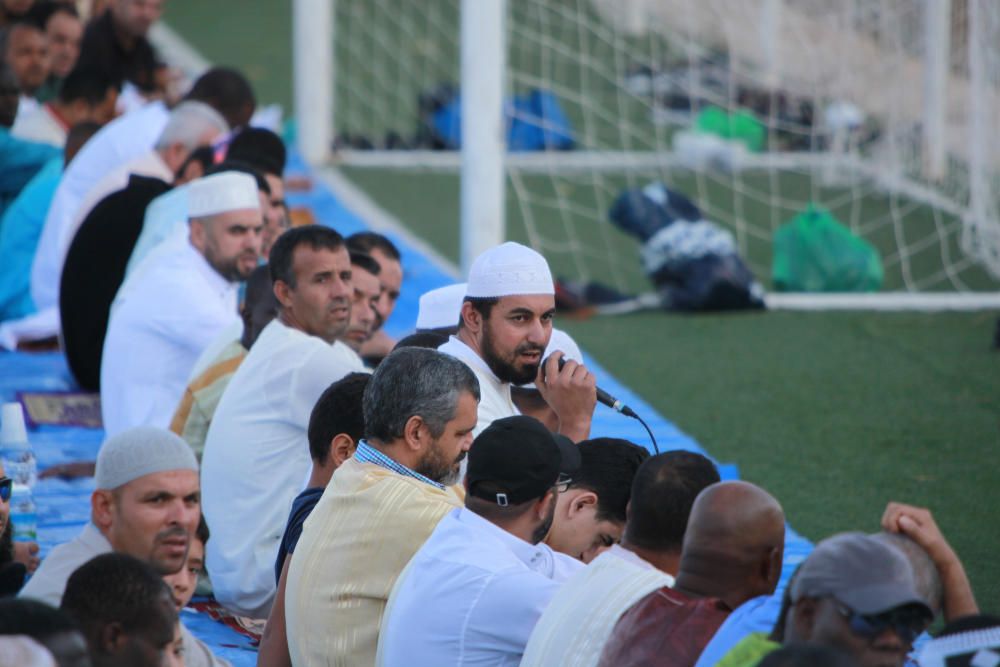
(606, 398)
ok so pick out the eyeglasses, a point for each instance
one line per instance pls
(907, 621)
(562, 484)
(6, 484)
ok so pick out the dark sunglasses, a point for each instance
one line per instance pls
(6, 484)
(907, 621)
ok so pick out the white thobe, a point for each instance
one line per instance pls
(49, 583)
(160, 322)
(578, 621)
(495, 401)
(119, 141)
(470, 596)
(40, 125)
(257, 460)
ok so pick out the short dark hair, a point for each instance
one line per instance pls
(243, 168)
(227, 91)
(432, 340)
(259, 304)
(118, 588)
(88, 84)
(482, 304)
(24, 616)
(337, 411)
(663, 492)
(260, 147)
(202, 532)
(365, 262)
(367, 241)
(415, 381)
(608, 467)
(41, 12)
(282, 252)
(807, 655)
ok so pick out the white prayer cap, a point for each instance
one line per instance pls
(141, 451)
(509, 269)
(222, 192)
(561, 342)
(441, 307)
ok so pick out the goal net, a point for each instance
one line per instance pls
(884, 112)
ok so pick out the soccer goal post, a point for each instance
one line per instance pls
(882, 112)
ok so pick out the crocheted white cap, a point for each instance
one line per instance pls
(561, 342)
(141, 451)
(509, 269)
(441, 307)
(219, 193)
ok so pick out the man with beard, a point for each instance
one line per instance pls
(505, 326)
(146, 504)
(484, 570)
(380, 506)
(164, 316)
(256, 459)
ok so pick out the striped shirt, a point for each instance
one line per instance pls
(365, 453)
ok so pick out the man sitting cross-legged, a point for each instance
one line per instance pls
(256, 459)
(146, 504)
(484, 571)
(578, 621)
(380, 505)
(732, 551)
(335, 428)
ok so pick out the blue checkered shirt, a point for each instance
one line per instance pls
(368, 454)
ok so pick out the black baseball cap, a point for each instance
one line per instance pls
(517, 459)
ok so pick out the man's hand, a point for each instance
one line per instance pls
(918, 524)
(571, 392)
(27, 553)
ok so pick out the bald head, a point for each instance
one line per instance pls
(734, 543)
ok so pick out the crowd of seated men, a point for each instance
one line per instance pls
(347, 498)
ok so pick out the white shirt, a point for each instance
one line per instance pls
(470, 596)
(495, 401)
(160, 321)
(257, 460)
(115, 144)
(40, 124)
(578, 621)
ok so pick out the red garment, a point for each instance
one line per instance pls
(664, 629)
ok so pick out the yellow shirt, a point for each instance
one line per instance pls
(362, 533)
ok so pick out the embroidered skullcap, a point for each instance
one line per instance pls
(220, 193)
(507, 270)
(141, 451)
(441, 307)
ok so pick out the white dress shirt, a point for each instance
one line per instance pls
(578, 621)
(161, 320)
(257, 460)
(40, 124)
(115, 144)
(495, 402)
(470, 596)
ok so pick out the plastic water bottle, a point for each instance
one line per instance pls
(18, 458)
(23, 514)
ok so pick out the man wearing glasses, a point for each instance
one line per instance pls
(484, 570)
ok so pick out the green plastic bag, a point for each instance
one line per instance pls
(740, 125)
(813, 252)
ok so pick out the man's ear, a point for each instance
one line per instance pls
(112, 639)
(583, 501)
(283, 293)
(415, 433)
(102, 509)
(198, 234)
(341, 448)
(542, 507)
(771, 568)
(472, 319)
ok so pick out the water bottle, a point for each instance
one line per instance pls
(23, 514)
(18, 458)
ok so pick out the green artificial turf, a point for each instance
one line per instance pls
(835, 413)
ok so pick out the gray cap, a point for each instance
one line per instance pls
(859, 571)
(140, 451)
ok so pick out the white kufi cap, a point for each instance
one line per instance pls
(441, 307)
(561, 342)
(219, 193)
(509, 269)
(141, 451)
